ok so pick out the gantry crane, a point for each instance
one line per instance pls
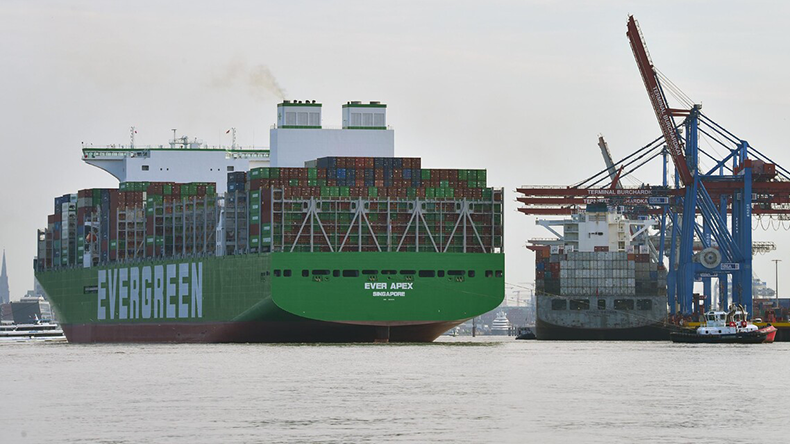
(695, 206)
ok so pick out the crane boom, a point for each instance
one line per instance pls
(663, 112)
(607, 157)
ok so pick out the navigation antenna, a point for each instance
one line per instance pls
(132, 132)
(233, 135)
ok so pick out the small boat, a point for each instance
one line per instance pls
(726, 327)
(525, 333)
(501, 325)
(37, 331)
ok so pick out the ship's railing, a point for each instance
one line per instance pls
(120, 151)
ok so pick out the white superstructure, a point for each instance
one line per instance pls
(300, 137)
(602, 229)
(297, 137)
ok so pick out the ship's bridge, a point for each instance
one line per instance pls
(182, 161)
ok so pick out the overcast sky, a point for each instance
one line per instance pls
(521, 88)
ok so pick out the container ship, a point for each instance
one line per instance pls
(324, 237)
(599, 279)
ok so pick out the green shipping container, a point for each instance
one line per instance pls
(373, 192)
(426, 174)
(312, 173)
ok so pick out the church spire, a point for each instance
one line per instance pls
(5, 297)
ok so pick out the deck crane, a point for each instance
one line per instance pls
(696, 206)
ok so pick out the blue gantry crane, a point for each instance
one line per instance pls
(705, 215)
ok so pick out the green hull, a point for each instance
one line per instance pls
(276, 297)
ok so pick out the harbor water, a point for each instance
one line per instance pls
(457, 390)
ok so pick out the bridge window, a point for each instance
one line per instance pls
(389, 272)
(440, 273)
(489, 273)
(320, 272)
(427, 273)
(305, 273)
(558, 304)
(455, 272)
(287, 273)
(408, 272)
(370, 272)
(145, 167)
(277, 273)
(499, 273)
(471, 273)
(336, 273)
(601, 304)
(230, 167)
(350, 273)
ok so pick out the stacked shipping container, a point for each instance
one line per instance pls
(368, 204)
(594, 273)
(335, 204)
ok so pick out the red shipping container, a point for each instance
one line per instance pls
(266, 205)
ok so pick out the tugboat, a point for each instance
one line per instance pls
(730, 327)
(525, 333)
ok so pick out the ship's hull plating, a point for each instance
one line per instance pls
(640, 323)
(278, 297)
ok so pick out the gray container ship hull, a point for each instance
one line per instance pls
(578, 322)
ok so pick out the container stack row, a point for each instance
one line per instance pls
(334, 204)
(180, 219)
(137, 220)
(377, 177)
(604, 273)
(236, 219)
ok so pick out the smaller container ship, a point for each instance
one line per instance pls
(599, 279)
